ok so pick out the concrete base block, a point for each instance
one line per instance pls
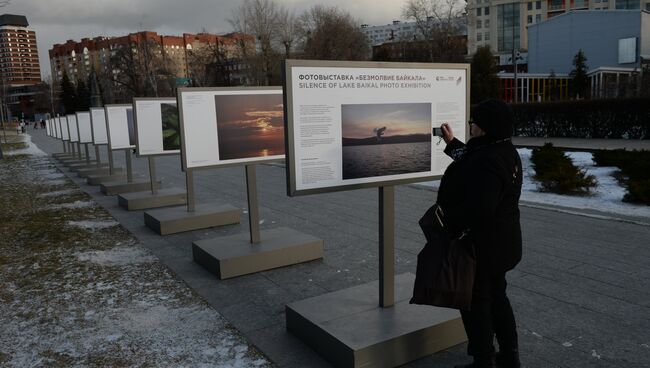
(348, 328)
(97, 179)
(85, 165)
(146, 200)
(174, 220)
(73, 161)
(61, 154)
(123, 186)
(85, 173)
(233, 256)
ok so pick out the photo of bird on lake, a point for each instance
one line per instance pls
(385, 139)
(250, 125)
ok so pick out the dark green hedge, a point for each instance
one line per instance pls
(614, 118)
(635, 167)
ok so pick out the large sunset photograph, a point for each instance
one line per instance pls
(385, 139)
(249, 125)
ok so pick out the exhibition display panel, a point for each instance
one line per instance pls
(354, 125)
(231, 126)
(120, 127)
(157, 133)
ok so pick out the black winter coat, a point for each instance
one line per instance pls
(480, 191)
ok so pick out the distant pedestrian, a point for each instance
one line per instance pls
(42, 123)
(480, 192)
(22, 127)
(36, 125)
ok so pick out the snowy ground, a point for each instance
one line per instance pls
(77, 290)
(607, 197)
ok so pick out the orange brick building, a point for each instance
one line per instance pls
(77, 59)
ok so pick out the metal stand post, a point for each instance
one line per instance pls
(87, 154)
(152, 175)
(74, 153)
(97, 157)
(129, 168)
(65, 148)
(189, 183)
(79, 150)
(386, 246)
(110, 160)
(253, 209)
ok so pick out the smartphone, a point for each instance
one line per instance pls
(437, 132)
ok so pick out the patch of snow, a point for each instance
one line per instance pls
(536, 334)
(567, 344)
(594, 354)
(30, 150)
(119, 256)
(606, 197)
(73, 205)
(93, 225)
(57, 182)
(58, 193)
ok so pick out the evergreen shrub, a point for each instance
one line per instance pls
(557, 174)
(634, 172)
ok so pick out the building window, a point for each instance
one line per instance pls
(529, 19)
(556, 4)
(507, 26)
(647, 6)
(478, 12)
(486, 36)
(487, 11)
(479, 37)
(538, 18)
(628, 4)
(538, 5)
(530, 6)
(479, 24)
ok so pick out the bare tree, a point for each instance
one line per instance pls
(329, 33)
(287, 30)
(258, 18)
(439, 23)
(140, 69)
(211, 65)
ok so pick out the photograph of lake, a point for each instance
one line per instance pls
(385, 139)
(250, 125)
(171, 132)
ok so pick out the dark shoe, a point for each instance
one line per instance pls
(508, 359)
(480, 363)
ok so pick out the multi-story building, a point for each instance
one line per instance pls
(397, 31)
(20, 74)
(18, 53)
(78, 59)
(502, 24)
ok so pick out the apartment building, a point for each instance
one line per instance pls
(19, 64)
(503, 24)
(77, 59)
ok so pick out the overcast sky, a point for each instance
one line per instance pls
(56, 21)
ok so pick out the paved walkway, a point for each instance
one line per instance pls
(581, 294)
(584, 144)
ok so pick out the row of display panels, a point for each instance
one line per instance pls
(344, 125)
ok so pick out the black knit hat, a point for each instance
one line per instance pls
(494, 117)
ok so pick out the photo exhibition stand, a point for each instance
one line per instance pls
(257, 251)
(350, 329)
(128, 185)
(98, 168)
(172, 220)
(112, 174)
(153, 198)
(88, 163)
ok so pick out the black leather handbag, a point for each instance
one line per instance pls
(446, 265)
